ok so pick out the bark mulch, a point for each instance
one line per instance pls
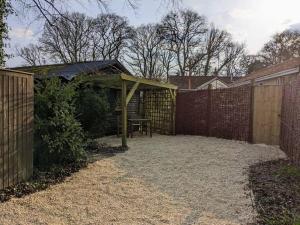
(41, 180)
(276, 189)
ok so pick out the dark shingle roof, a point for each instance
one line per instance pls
(69, 71)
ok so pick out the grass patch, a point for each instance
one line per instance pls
(289, 171)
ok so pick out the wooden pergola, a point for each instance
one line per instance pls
(129, 85)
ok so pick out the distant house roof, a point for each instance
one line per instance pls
(285, 68)
(193, 82)
(69, 71)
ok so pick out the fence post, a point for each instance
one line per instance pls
(124, 114)
(208, 110)
(251, 120)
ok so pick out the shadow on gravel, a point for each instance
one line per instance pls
(97, 151)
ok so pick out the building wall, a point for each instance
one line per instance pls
(216, 84)
(279, 80)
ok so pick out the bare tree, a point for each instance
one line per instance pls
(184, 32)
(69, 40)
(228, 59)
(145, 52)
(216, 42)
(33, 55)
(46, 9)
(167, 59)
(250, 63)
(281, 47)
(110, 36)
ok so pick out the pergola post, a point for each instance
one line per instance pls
(173, 99)
(124, 114)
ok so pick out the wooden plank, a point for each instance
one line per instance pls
(153, 83)
(267, 108)
(174, 112)
(208, 110)
(15, 117)
(11, 131)
(252, 112)
(1, 130)
(24, 127)
(131, 92)
(124, 114)
(19, 129)
(30, 126)
(5, 131)
(276, 120)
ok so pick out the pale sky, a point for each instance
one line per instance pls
(252, 22)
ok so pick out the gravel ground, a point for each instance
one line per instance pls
(161, 180)
(208, 175)
(100, 194)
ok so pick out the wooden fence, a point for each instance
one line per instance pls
(290, 123)
(267, 111)
(248, 113)
(16, 127)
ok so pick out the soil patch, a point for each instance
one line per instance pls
(41, 180)
(276, 189)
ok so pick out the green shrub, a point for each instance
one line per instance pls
(93, 109)
(58, 135)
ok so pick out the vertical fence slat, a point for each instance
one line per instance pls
(30, 123)
(10, 130)
(24, 97)
(19, 128)
(15, 113)
(5, 131)
(1, 131)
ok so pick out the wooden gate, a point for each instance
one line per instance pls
(266, 114)
(16, 126)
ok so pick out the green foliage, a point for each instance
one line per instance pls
(92, 108)
(58, 135)
(289, 170)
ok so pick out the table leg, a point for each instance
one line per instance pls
(131, 130)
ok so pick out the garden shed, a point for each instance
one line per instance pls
(159, 100)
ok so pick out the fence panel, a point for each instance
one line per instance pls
(267, 110)
(223, 113)
(16, 127)
(231, 113)
(290, 121)
(158, 106)
(192, 113)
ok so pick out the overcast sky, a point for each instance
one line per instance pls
(249, 21)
